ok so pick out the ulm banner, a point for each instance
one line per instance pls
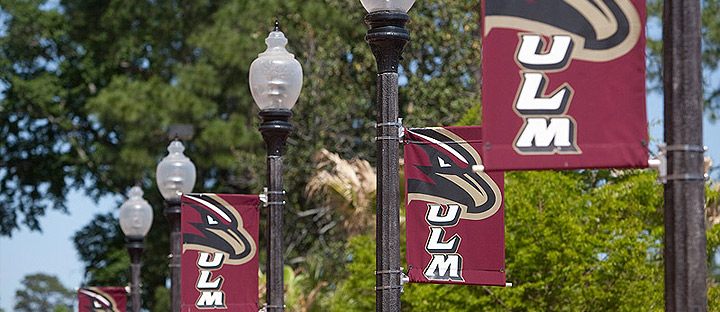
(219, 259)
(108, 299)
(564, 84)
(454, 217)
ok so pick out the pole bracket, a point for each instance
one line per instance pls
(659, 162)
(266, 306)
(387, 137)
(403, 280)
(686, 176)
(684, 148)
(264, 197)
(401, 130)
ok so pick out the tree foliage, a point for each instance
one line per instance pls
(41, 292)
(570, 246)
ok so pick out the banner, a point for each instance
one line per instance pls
(454, 217)
(106, 299)
(564, 84)
(220, 253)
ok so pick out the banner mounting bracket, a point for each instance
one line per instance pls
(265, 306)
(403, 280)
(659, 162)
(400, 133)
(264, 197)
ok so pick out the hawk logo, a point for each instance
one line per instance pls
(100, 301)
(449, 180)
(601, 30)
(221, 230)
(220, 239)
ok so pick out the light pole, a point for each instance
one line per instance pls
(275, 82)
(136, 217)
(684, 252)
(175, 175)
(387, 38)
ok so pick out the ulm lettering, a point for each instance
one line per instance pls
(445, 264)
(210, 294)
(547, 129)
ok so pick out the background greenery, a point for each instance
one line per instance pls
(90, 88)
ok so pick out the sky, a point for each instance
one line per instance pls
(50, 251)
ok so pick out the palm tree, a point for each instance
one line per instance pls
(347, 187)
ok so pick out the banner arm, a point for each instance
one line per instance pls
(263, 196)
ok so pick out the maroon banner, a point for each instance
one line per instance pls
(220, 259)
(106, 299)
(564, 84)
(454, 217)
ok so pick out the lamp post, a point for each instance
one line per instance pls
(175, 175)
(275, 82)
(387, 38)
(136, 217)
(685, 254)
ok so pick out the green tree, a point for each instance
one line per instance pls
(43, 292)
(575, 241)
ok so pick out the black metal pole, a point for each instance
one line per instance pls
(275, 129)
(172, 213)
(387, 38)
(135, 246)
(685, 255)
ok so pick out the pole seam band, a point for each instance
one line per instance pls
(276, 192)
(275, 203)
(388, 272)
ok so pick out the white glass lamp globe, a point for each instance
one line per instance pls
(387, 5)
(136, 215)
(175, 173)
(275, 75)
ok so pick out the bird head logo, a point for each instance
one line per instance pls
(220, 230)
(449, 178)
(602, 30)
(100, 301)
